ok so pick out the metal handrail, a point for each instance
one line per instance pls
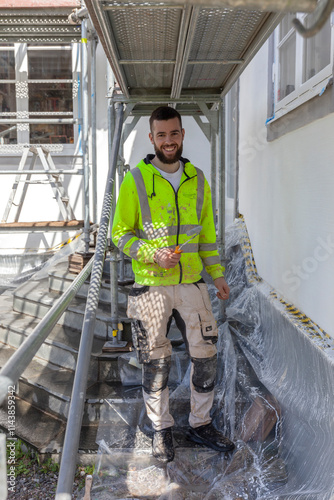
(321, 14)
(15, 366)
(7, 131)
(73, 428)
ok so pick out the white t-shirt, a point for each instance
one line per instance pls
(174, 178)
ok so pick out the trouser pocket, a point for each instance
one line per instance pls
(135, 300)
(140, 341)
(208, 329)
(207, 321)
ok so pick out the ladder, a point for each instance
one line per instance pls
(58, 189)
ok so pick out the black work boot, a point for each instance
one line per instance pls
(162, 445)
(209, 436)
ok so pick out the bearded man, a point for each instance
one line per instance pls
(160, 201)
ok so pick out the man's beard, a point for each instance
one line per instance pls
(160, 154)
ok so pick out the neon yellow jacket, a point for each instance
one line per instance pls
(151, 215)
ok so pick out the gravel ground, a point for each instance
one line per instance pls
(42, 486)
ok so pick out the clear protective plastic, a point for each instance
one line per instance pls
(273, 397)
(20, 268)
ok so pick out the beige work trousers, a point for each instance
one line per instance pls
(153, 307)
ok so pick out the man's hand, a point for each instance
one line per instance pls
(167, 258)
(223, 288)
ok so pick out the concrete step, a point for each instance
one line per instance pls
(45, 431)
(36, 427)
(60, 347)
(34, 299)
(49, 388)
(60, 279)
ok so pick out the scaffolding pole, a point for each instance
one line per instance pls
(213, 141)
(72, 436)
(93, 109)
(221, 198)
(85, 156)
(236, 173)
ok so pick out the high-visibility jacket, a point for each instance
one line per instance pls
(151, 215)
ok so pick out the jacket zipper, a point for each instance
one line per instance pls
(178, 221)
(178, 215)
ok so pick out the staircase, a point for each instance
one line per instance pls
(44, 389)
(43, 392)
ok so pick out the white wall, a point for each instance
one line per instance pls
(286, 196)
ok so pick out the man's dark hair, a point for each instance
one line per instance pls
(164, 113)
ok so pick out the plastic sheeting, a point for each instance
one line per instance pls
(274, 398)
(18, 268)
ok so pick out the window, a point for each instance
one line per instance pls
(302, 66)
(38, 82)
(317, 51)
(50, 92)
(8, 133)
(287, 58)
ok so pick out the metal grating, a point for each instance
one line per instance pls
(147, 34)
(149, 76)
(206, 76)
(220, 35)
(164, 49)
(37, 27)
(223, 33)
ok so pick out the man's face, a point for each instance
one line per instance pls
(167, 138)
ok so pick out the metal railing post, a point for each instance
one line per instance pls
(72, 435)
(120, 180)
(221, 197)
(85, 157)
(113, 254)
(93, 111)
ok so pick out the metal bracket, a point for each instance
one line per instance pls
(212, 116)
(77, 15)
(205, 127)
(128, 128)
(321, 14)
(127, 111)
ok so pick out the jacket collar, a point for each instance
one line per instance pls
(185, 162)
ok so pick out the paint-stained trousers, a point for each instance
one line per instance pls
(152, 308)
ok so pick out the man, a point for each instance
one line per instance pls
(160, 200)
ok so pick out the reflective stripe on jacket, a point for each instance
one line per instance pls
(151, 215)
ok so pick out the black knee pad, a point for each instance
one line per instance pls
(204, 373)
(155, 374)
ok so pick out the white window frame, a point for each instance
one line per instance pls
(303, 91)
(5, 48)
(22, 103)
